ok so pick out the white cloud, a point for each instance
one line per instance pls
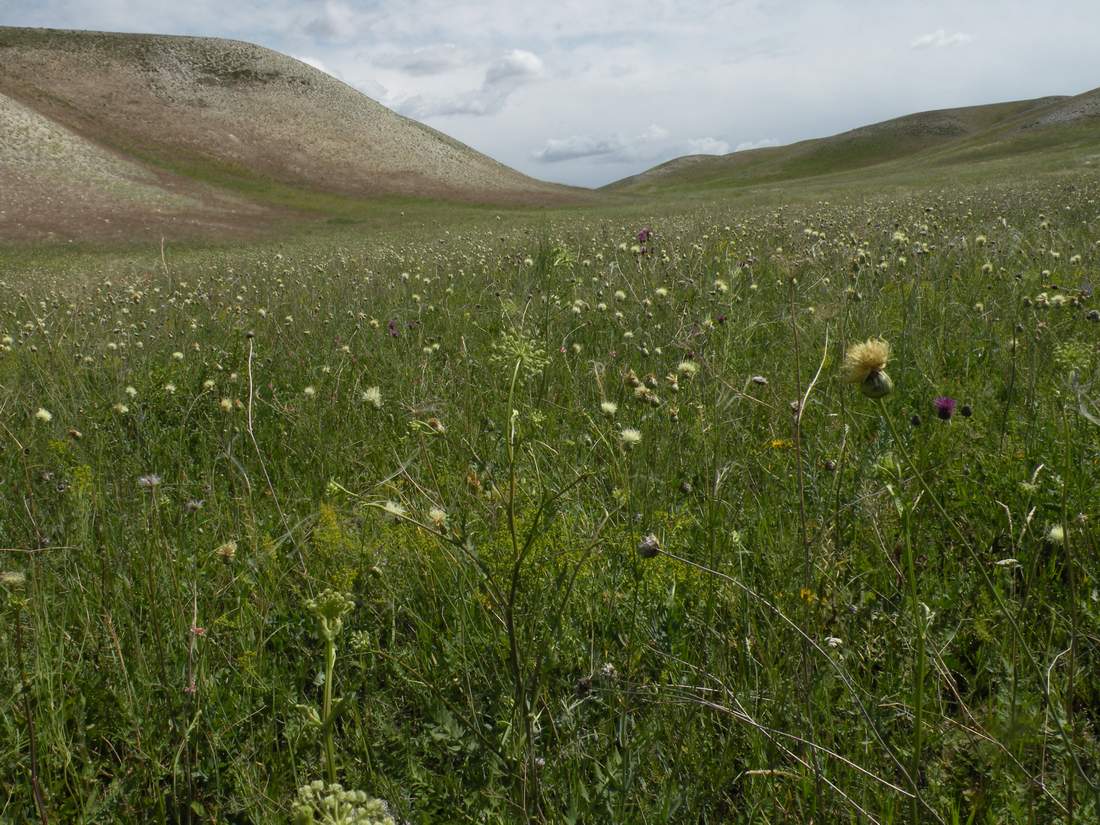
(940, 39)
(749, 145)
(652, 144)
(336, 21)
(515, 66)
(708, 146)
(611, 148)
(425, 60)
(503, 77)
(557, 150)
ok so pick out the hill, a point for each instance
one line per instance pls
(149, 129)
(924, 139)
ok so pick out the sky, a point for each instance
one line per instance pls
(589, 91)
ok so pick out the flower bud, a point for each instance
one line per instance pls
(877, 384)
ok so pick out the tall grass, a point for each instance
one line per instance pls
(786, 602)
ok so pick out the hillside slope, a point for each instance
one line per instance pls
(209, 125)
(939, 137)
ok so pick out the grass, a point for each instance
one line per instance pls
(360, 505)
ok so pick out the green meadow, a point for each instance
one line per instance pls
(493, 515)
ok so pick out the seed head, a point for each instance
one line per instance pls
(865, 358)
(865, 365)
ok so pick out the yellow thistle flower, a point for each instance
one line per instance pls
(865, 365)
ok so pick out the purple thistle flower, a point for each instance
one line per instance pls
(392, 327)
(645, 235)
(945, 407)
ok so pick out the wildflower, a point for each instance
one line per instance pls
(44, 415)
(333, 805)
(395, 509)
(649, 546)
(193, 505)
(833, 641)
(131, 391)
(687, 368)
(865, 364)
(121, 409)
(309, 392)
(177, 355)
(1056, 534)
(12, 579)
(945, 407)
(227, 550)
(644, 235)
(373, 396)
(169, 388)
(630, 437)
(149, 481)
(760, 380)
(208, 384)
(609, 408)
(436, 425)
(438, 517)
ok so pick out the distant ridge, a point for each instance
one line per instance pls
(936, 137)
(144, 129)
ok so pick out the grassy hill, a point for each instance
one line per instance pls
(914, 142)
(143, 129)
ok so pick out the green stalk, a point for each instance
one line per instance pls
(918, 671)
(326, 709)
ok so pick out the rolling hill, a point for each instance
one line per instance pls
(118, 133)
(926, 139)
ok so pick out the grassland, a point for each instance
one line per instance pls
(513, 514)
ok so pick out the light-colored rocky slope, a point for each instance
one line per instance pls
(185, 124)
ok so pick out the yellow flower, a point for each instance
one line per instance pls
(864, 358)
(865, 365)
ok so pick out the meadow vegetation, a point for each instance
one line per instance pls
(565, 518)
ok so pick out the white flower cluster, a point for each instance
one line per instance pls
(321, 804)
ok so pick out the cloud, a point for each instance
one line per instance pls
(611, 148)
(557, 150)
(337, 21)
(515, 66)
(503, 77)
(940, 39)
(749, 145)
(708, 146)
(424, 61)
(652, 144)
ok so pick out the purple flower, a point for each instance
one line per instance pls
(945, 407)
(392, 327)
(645, 235)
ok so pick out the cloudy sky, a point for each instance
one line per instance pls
(588, 91)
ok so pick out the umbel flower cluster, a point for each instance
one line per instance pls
(321, 804)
